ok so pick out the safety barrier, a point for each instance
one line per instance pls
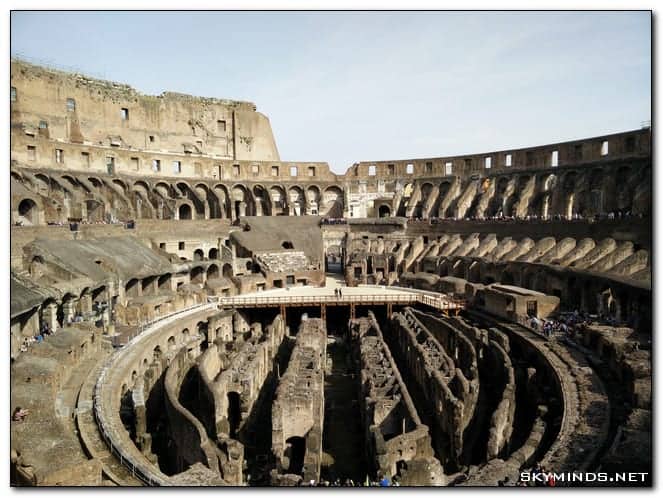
(145, 473)
(405, 296)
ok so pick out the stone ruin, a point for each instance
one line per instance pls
(137, 219)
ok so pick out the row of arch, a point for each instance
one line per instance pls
(591, 294)
(136, 287)
(179, 199)
(584, 192)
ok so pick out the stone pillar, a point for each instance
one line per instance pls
(240, 324)
(85, 303)
(68, 311)
(49, 315)
(242, 208)
(226, 329)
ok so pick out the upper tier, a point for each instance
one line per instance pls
(78, 109)
(72, 122)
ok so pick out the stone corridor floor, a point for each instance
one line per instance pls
(343, 435)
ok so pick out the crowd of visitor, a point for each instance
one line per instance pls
(381, 481)
(44, 331)
(334, 221)
(568, 325)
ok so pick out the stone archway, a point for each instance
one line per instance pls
(28, 212)
(384, 211)
(185, 212)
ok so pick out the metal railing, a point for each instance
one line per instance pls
(152, 477)
(409, 296)
(105, 426)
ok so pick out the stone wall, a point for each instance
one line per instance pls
(398, 444)
(298, 408)
(450, 391)
(45, 450)
(57, 106)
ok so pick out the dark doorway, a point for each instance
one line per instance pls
(185, 212)
(296, 451)
(234, 413)
(532, 308)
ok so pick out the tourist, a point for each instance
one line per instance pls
(20, 414)
(384, 482)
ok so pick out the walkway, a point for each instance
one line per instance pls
(343, 436)
(362, 295)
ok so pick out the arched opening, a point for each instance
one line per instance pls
(212, 272)
(313, 200)
(131, 289)
(474, 272)
(27, 212)
(198, 255)
(37, 267)
(332, 200)
(297, 201)
(442, 202)
(164, 282)
(197, 275)
(458, 269)
(623, 187)
(148, 285)
(223, 197)
(201, 329)
(213, 253)
(295, 451)
(261, 198)
(234, 413)
(507, 278)
(127, 413)
(95, 210)
(569, 186)
(384, 211)
(227, 270)
(278, 197)
(240, 199)
(185, 212)
(406, 194)
(334, 259)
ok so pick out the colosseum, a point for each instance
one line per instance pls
(188, 309)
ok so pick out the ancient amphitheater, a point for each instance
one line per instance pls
(188, 309)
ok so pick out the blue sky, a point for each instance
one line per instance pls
(343, 87)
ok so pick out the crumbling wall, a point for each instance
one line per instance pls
(186, 431)
(445, 387)
(298, 408)
(397, 442)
